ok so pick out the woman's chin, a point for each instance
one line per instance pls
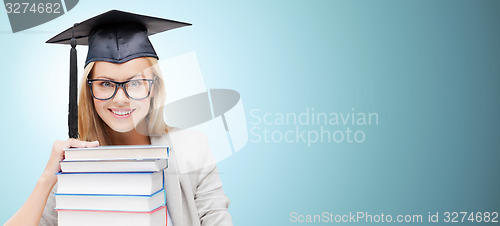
(122, 129)
(139, 128)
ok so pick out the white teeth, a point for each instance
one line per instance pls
(122, 112)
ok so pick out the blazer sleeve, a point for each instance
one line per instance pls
(49, 215)
(211, 202)
(203, 199)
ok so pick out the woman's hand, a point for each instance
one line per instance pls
(57, 155)
(31, 211)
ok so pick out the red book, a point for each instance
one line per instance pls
(157, 217)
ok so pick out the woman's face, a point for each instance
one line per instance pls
(121, 113)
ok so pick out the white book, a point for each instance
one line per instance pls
(133, 165)
(117, 152)
(139, 203)
(156, 217)
(122, 183)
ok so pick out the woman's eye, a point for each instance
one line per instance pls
(106, 84)
(135, 83)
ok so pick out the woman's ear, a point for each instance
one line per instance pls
(151, 102)
(153, 87)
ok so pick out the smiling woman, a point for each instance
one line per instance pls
(107, 108)
(121, 103)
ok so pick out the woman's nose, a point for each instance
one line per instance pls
(120, 96)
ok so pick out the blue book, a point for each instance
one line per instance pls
(122, 165)
(108, 202)
(113, 183)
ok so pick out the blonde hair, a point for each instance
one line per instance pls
(91, 127)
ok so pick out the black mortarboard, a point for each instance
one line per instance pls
(115, 37)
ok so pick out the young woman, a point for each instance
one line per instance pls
(121, 103)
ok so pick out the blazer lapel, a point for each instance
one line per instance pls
(172, 184)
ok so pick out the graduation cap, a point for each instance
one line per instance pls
(114, 36)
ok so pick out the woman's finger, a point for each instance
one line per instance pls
(82, 144)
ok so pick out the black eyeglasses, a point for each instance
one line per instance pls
(136, 89)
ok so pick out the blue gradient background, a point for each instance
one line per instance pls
(430, 69)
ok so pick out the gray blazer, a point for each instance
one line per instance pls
(193, 198)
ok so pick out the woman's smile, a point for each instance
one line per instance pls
(121, 113)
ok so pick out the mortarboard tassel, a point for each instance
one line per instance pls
(73, 90)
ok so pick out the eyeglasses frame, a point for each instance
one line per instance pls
(118, 85)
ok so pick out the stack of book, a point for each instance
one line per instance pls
(112, 185)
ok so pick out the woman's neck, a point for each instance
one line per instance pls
(128, 138)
